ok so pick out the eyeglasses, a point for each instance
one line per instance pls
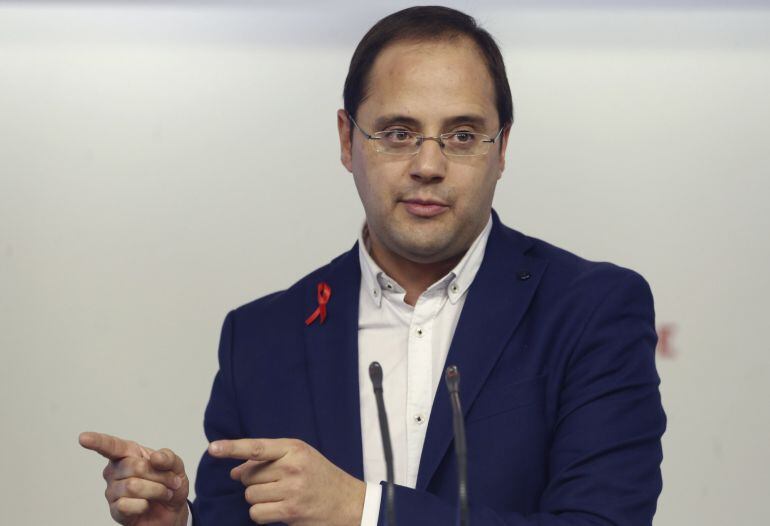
(407, 143)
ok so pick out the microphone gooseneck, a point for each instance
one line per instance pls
(452, 378)
(375, 373)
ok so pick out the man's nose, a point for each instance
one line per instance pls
(429, 163)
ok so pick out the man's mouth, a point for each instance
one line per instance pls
(424, 207)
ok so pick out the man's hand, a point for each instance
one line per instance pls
(144, 487)
(289, 481)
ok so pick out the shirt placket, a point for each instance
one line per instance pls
(419, 379)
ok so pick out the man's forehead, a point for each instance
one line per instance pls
(444, 79)
(419, 61)
(431, 45)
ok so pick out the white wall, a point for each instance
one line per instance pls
(162, 163)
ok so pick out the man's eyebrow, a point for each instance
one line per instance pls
(476, 121)
(388, 120)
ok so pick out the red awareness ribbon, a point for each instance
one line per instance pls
(324, 293)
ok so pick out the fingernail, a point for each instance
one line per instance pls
(215, 447)
(169, 495)
(177, 483)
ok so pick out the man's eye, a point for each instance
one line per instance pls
(397, 135)
(463, 137)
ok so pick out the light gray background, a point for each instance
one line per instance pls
(164, 162)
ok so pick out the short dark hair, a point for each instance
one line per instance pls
(425, 23)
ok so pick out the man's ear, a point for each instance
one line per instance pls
(503, 148)
(346, 140)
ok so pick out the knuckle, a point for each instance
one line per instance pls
(167, 454)
(133, 486)
(256, 448)
(298, 446)
(292, 469)
(170, 479)
(141, 467)
(112, 491)
(302, 451)
(290, 512)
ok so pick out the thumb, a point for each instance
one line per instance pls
(166, 460)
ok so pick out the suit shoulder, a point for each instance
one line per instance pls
(567, 270)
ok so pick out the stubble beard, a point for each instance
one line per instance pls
(421, 243)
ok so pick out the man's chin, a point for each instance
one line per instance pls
(426, 248)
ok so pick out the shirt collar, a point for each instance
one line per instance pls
(373, 277)
(455, 283)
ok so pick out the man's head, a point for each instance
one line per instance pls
(425, 24)
(428, 70)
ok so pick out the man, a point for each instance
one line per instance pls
(559, 385)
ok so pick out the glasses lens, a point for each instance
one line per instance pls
(465, 143)
(397, 142)
(457, 144)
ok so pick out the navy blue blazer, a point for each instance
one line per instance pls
(559, 388)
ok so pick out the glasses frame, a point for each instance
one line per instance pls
(422, 138)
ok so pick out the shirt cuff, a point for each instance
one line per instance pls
(372, 499)
(189, 515)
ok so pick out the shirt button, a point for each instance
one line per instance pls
(455, 288)
(419, 419)
(419, 332)
(390, 286)
(374, 291)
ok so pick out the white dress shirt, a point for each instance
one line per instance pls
(411, 344)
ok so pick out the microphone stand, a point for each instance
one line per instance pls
(452, 378)
(375, 373)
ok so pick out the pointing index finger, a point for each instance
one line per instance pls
(249, 449)
(108, 446)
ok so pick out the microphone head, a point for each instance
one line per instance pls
(375, 373)
(452, 378)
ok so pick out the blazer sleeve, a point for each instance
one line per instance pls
(604, 458)
(219, 499)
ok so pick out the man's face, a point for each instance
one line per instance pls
(428, 207)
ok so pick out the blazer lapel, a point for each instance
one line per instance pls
(496, 301)
(332, 357)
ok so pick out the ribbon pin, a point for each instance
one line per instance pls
(324, 293)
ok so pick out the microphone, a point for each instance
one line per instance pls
(452, 378)
(375, 373)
